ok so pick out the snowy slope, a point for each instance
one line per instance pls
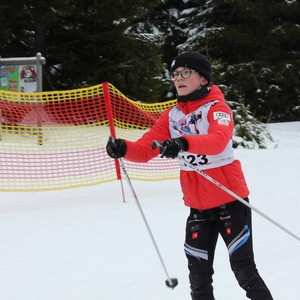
(86, 244)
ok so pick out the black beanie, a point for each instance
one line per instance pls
(195, 61)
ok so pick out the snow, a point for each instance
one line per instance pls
(87, 244)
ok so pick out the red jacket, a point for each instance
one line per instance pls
(198, 192)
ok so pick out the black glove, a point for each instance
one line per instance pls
(170, 148)
(116, 148)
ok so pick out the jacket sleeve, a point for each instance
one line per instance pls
(141, 150)
(221, 126)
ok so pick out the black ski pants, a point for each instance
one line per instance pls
(233, 222)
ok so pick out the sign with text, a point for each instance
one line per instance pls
(19, 78)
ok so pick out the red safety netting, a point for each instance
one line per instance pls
(56, 140)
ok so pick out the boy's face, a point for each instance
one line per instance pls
(186, 86)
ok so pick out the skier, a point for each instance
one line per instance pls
(207, 144)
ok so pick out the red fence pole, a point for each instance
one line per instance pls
(111, 124)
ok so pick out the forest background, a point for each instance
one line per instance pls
(254, 47)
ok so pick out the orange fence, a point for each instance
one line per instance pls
(56, 140)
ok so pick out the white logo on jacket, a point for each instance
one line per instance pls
(222, 117)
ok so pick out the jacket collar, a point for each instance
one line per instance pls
(191, 105)
(196, 95)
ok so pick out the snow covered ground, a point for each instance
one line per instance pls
(86, 244)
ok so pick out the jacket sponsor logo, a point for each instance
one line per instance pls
(221, 115)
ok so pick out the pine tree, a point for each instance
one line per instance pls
(254, 45)
(164, 21)
(258, 45)
(201, 32)
(15, 28)
(248, 131)
(87, 42)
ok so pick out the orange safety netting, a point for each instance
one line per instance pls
(56, 140)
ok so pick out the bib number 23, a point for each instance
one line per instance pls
(196, 160)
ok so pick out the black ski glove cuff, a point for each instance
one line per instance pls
(170, 148)
(116, 148)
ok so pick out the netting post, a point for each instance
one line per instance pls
(40, 135)
(111, 124)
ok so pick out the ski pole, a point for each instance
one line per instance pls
(228, 191)
(170, 282)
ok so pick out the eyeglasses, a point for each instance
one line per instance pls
(185, 74)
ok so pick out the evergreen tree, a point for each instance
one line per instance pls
(258, 45)
(196, 21)
(254, 46)
(164, 21)
(101, 47)
(248, 131)
(14, 30)
(87, 42)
